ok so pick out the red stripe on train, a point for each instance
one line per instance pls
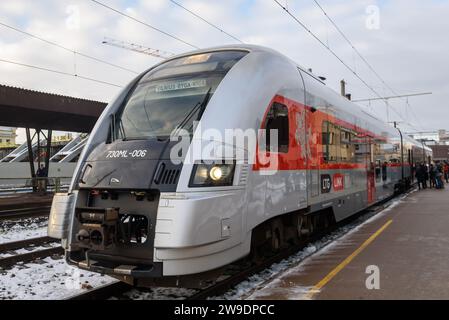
(294, 159)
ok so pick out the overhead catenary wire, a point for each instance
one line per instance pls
(362, 57)
(414, 115)
(327, 47)
(81, 54)
(145, 24)
(406, 96)
(59, 72)
(333, 53)
(353, 47)
(206, 21)
(395, 97)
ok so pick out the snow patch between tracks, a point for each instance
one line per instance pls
(48, 279)
(23, 229)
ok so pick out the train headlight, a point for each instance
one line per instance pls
(216, 173)
(210, 175)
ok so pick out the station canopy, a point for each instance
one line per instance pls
(39, 110)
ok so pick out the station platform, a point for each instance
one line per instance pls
(406, 245)
(25, 200)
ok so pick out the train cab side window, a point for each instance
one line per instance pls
(277, 119)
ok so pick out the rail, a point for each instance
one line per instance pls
(20, 213)
(52, 184)
(9, 261)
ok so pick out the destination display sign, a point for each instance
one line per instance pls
(181, 85)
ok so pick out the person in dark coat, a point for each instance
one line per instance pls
(425, 171)
(432, 176)
(41, 175)
(420, 175)
(439, 176)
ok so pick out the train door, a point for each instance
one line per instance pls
(371, 175)
(310, 146)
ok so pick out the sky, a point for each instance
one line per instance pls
(405, 42)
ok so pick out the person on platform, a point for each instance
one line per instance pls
(425, 169)
(432, 175)
(419, 173)
(439, 176)
(41, 175)
(446, 171)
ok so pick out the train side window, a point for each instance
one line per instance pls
(361, 148)
(335, 143)
(331, 141)
(277, 119)
(347, 147)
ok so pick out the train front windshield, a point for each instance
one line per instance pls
(174, 95)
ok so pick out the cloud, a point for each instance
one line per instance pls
(409, 50)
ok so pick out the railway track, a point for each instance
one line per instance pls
(21, 213)
(11, 247)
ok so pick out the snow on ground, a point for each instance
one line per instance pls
(24, 229)
(49, 279)
(267, 278)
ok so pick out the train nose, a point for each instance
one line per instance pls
(133, 165)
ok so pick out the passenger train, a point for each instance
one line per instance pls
(135, 213)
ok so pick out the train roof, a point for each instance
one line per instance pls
(341, 103)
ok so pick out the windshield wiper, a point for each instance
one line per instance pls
(201, 105)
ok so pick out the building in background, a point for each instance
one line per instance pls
(7, 140)
(7, 137)
(62, 139)
(437, 140)
(440, 152)
(443, 137)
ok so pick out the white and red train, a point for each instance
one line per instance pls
(134, 213)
